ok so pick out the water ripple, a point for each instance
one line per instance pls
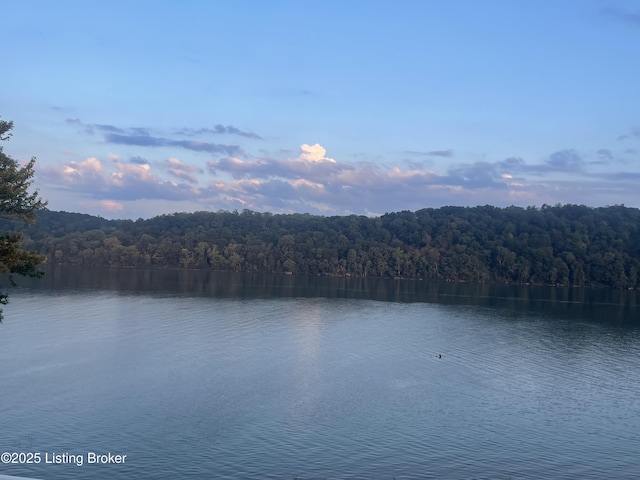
(318, 388)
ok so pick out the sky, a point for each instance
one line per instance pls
(136, 109)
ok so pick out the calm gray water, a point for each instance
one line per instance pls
(207, 375)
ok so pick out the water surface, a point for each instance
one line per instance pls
(208, 375)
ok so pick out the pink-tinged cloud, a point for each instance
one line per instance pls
(87, 173)
(181, 170)
(313, 182)
(131, 172)
(117, 181)
(85, 167)
(111, 206)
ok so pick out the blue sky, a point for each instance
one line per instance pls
(138, 108)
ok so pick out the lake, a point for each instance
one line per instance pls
(200, 375)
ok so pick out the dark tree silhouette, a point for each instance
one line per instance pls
(17, 204)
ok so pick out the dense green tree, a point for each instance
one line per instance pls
(17, 204)
(559, 245)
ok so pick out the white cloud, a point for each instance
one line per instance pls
(314, 153)
(128, 171)
(90, 166)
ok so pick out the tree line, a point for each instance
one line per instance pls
(555, 245)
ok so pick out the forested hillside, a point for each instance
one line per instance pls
(559, 245)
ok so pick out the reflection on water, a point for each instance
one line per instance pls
(214, 375)
(618, 306)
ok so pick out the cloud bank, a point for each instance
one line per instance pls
(311, 181)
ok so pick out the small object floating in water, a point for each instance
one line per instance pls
(439, 355)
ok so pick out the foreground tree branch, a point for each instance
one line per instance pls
(16, 203)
